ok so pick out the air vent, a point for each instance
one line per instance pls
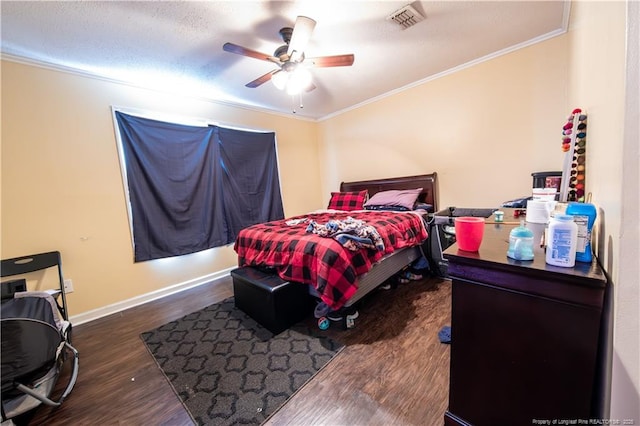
(406, 17)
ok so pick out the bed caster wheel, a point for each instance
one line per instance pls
(323, 323)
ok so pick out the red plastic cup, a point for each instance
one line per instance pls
(469, 232)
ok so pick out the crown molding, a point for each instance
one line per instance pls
(95, 76)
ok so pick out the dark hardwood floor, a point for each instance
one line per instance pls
(393, 370)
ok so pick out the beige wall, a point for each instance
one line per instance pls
(62, 185)
(483, 129)
(599, 33)
(486, 128)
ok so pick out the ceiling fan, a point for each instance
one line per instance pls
(292, 73)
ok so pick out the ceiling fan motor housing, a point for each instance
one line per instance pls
(281, 53)
(289, 66)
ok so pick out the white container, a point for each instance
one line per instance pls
(547, 194)
(538, 211)
(562, 241)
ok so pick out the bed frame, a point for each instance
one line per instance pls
(389, 265)
(427, 182)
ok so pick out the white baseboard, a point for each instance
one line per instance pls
(139, 300)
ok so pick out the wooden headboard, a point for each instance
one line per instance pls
(428, 183)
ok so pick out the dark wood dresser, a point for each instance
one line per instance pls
(526, 337)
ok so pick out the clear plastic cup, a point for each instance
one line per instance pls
(469, 232)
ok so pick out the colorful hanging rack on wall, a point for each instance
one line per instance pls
(574, 141)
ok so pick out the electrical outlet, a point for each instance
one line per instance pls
(68, 285)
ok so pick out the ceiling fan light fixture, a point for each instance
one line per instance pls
(280, 79)
(299, 80)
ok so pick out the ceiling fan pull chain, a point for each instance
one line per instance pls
(293, 102)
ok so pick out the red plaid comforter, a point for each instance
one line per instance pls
(320, 261)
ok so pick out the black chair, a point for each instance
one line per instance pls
(39, 262)
(36, 337)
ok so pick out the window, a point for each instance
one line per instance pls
(191, 188)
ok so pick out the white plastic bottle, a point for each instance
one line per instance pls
(562, 241)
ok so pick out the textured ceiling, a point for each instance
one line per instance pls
(177, 46)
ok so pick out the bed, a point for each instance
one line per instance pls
(340, 277)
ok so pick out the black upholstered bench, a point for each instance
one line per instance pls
(274, 303)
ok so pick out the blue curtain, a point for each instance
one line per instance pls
(251, 187)
(184, 196)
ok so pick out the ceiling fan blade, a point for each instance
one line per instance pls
(301, 34)
(261, 80)
(331, 61)
(310, 87)
(239, 50)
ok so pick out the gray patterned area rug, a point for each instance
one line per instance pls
(227, 369)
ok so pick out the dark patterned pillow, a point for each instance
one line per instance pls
(348, 200)
(387, 207)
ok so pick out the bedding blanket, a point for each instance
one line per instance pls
(305, 257)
